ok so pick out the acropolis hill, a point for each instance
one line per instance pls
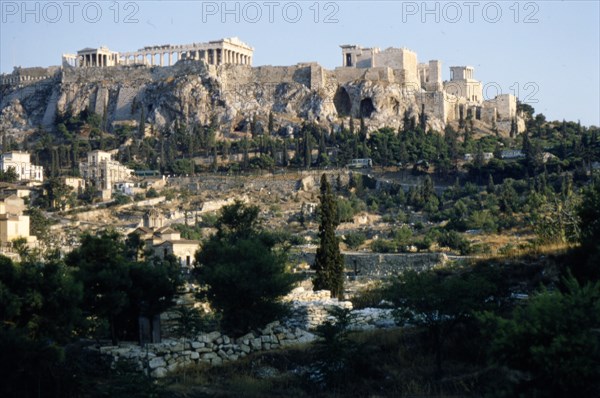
(215, 82)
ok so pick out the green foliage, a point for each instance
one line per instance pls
(403, 235)
(345, 212)
(482, 219)
(348, 208)
(154, 285)
(242, 271)
(589, 214)
(118, 289)
(264, 162)
(189, 232)
(10, 175)
(121, 199)
(237, 220)
(39, 225)
(57, 193)
(209, 220)
(152, 193)
(329, 262)
(41, 300)
(439, 301)
(334, 351)
(555, 218)
(102, 267)
(454, 241)
(189, 321)
(182, 167)
(551, 344)
(28, 365)
(354, 239)
(124, 380)
(384, 246)
(370, 297)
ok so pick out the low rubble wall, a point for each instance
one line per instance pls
(309, 310)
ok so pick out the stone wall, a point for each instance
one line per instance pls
(211, 348)
(309, 310)
(378, 264)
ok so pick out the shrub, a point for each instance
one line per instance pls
(551, 343)
(152, 193)
(455, 241)
(354, 239)
(384, 246)
(242, 272)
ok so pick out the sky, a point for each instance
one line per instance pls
(545, 52)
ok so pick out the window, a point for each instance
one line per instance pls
(348, 59)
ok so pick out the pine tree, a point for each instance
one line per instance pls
(329, 263)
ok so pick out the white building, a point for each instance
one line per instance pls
(163, 241)
(21, 163)
(13, 223)
(102, 171)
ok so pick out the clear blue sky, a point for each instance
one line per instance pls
(547, 50)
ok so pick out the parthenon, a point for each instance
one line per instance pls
(218, 52)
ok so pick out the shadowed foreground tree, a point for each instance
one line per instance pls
(117, 289)
(549, 347)
(102, 267)
(39, 311)
(329, 263)
(154, 285)
(439, 301)
(243, 271)
(589, 214)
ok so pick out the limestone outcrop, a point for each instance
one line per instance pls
(229, 96)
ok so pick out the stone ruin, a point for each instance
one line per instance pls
(309, 310)
(215, 81)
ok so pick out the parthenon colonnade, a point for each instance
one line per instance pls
(219, 52)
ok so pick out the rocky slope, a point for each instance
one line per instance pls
(191, 92)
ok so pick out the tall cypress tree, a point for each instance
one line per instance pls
(285, 159)
(271, 125)
(142, 125)
(329, 263)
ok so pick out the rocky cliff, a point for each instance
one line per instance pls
(229, 95)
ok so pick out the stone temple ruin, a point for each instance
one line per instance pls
(400, 64)
(216, 79)
(218, 52)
